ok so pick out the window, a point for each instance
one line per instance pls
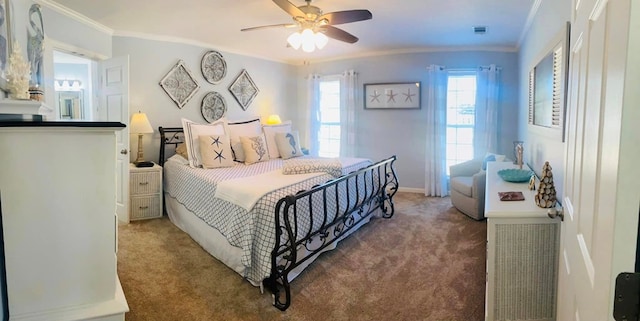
(329, 135)
(461, 110)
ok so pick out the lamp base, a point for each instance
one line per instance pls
(143, 164)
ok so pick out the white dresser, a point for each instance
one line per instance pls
(58, 197)
(145, 189)
(522, 253)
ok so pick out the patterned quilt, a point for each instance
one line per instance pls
(304, 165)
(252, 231)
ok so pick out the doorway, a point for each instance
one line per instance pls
(73, 84)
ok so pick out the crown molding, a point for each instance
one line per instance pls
(527, 25)
(418, 50)
(75, 15)
(185, 41)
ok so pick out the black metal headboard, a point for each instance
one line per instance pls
(169, 136)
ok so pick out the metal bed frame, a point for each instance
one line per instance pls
(375, 186)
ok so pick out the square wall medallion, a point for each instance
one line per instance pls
(179, 84)
(243, 89)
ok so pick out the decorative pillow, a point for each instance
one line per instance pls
(490, 157)
(192, 131)
(270, 136)
(245, 128)
(288, 144)
(182, 151)
(215, 151)
(255, 149)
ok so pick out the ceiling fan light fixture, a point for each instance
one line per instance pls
(320, 40)
(308, 40)
(295, 40)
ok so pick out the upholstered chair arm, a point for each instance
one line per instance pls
(479, 183)
(468, 168)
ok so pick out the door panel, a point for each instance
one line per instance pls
(591, 227)
(114, 104)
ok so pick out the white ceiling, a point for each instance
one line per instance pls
(397, 26)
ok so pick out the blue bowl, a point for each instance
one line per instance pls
(515, 175)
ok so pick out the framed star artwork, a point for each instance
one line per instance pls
(397, 95)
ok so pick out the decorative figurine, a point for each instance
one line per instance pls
(546, 196)
(532, 183)
(18, 74)
(519, 151)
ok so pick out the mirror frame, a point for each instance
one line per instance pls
(558, 52)
(66, 95)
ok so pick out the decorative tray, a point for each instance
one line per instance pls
(515, 175)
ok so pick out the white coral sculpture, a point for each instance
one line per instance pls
(18, 74)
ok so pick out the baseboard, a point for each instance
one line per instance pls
(110, 310)
(411, 190)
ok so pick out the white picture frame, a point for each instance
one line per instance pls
(397, 95)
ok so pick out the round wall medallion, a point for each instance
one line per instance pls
(213, 106)
(214, 68)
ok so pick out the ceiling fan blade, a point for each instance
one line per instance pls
(286, 25)
(290, 8)
(339, 17)
(338, 34)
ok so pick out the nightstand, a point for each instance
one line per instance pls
(145, 192)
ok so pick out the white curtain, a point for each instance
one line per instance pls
(313, 112)
(348, 93)
(436, 104)
(485, 134)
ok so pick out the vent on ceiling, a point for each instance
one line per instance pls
(480, 30)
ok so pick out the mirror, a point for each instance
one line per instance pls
(70, 104)
(548, 84)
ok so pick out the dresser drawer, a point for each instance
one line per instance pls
(143, 207)
(145, 183)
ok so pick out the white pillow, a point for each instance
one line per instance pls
(192, 131)
(288, 144)
(215, 151)
(270, 136)
(179, 159)
(255, 149)
(245, 128)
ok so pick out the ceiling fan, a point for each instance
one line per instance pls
(312, 18)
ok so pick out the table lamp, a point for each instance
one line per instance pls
(273, 120)
(140, 125)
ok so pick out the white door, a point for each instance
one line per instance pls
(601, 190)
(114, 106)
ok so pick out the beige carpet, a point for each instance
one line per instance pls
(425, 263)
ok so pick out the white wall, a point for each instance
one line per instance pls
(541, 145)
(382, 133)
(151, 60)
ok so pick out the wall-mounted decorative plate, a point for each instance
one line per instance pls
(179, 84)
(213, 106)
(213, 66)
(243, 89)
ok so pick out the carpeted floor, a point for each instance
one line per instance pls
(425, 263)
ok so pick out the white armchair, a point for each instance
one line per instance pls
(467, 184)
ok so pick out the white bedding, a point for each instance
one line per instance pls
(249, 231)
(246, 191)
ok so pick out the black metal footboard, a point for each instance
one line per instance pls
(312, 220)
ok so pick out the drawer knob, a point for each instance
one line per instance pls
(143, 207)
(144, 183)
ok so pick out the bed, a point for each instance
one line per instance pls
(267, 226)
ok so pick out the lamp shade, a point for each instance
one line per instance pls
(140, 124)
(273, 120)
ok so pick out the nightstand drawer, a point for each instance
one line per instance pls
(143, 207)
(145, 183)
